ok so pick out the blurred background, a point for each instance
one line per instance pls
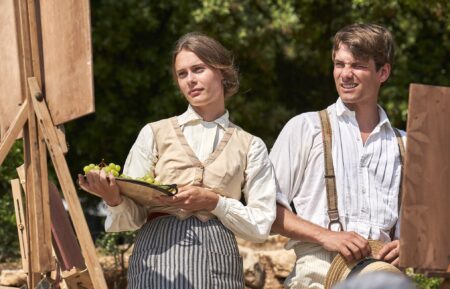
(282, 49)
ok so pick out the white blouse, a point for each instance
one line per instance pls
(252, 222)
(367, 175)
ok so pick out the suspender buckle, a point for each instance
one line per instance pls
(341, 228)
(334, 219)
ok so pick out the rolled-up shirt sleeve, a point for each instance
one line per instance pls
(289, 156)
(129, 216)
(252, 221)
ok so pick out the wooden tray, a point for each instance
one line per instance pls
(142, 192)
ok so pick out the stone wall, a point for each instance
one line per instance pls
(266, 265)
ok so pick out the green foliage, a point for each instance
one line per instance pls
(9, 245)
(422, 281)
(427, 283)
(116, 244)
(282, 49)
(9, 242)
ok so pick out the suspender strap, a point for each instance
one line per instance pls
(401, 147)
(330, 180)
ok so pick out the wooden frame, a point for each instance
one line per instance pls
(35, 57)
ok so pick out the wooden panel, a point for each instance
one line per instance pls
(65, 242)
(425, 234)
(67, 58)
(10, 83)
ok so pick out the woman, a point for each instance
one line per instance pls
(187, 241)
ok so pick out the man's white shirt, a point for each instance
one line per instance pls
(367, 175)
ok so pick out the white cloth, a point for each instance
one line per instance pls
(252, 222)
(367, 175)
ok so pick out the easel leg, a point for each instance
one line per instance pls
(38, 205)
(20, 220)
(67, 186)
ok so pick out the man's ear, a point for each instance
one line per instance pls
(384, 72)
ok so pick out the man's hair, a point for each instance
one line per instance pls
(213, 54)
(367, 41)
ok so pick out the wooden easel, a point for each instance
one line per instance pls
(41, 37)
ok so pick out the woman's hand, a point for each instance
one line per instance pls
(192, 198)
(102, 185)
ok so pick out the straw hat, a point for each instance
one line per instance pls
(340, 269)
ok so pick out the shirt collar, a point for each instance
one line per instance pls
(191, 116)
(342, 109)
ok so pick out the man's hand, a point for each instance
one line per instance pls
(390, 253)
(192, 198)
(102, 185)
(349, 244)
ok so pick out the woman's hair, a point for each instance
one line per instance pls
(213, 54)
(367, 41)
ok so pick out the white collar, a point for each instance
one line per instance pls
(191, 116)
(342, 109)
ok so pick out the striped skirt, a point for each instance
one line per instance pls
(181, 254)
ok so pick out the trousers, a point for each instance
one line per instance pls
(311, 267)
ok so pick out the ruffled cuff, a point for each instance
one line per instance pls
(119, 208)
(221, 208)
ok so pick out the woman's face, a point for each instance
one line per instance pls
(199, 83)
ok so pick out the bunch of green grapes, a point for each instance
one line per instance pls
(148, 178)
(111, 168)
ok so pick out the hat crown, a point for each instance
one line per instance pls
(341, 270)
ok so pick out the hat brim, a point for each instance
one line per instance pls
(340, 268)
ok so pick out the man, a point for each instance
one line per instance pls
(367, 166)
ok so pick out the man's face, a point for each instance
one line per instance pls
(357, 81)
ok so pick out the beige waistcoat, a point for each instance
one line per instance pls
(222, 172)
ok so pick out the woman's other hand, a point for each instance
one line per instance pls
(102, 185)
(192, 198)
